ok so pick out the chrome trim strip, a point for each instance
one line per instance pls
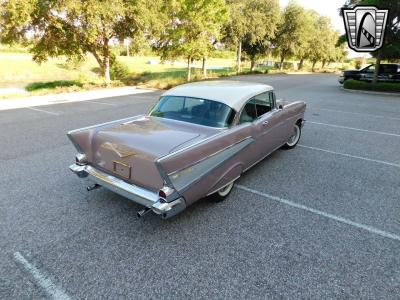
(194, 181)
(103, 124)
(209, 156)
(189, 146)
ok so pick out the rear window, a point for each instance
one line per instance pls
(194, 110)
(388, 69)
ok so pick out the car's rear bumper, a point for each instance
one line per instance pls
(137, 194)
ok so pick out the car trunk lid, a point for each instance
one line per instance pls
(129, 150)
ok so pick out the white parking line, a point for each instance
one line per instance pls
(352, 128)
(322, 214)
(43, 111)
(362, 114)
(97, 102)
(351, 156)
(41, 279)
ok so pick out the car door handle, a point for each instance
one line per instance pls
(265, 123)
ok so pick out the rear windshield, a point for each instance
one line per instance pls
(194, 110)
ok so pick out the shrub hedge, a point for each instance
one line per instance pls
(369, 86)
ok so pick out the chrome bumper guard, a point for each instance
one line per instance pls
(137, 194)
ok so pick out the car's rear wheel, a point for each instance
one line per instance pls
(294, 138)
(222, 193)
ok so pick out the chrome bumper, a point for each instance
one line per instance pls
(137, 194)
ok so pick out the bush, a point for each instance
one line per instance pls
(118, 70)
(52, 85)
(369, 86)
(358, 63)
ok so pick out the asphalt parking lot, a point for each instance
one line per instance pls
(319, 221)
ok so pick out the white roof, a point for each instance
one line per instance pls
(231, 93)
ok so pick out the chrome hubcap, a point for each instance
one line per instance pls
(295, 137)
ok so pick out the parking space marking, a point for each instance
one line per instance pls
(351, 156)
(41, 279)
(352, 128)
(43, 111)
(97, 102)
(362, 114)
(322, 213)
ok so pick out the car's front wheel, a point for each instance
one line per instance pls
(294, 138)
(222, 193)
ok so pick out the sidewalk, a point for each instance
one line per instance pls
(70, 97)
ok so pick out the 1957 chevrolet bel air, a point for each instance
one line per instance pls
(195, 142)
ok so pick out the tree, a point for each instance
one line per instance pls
(322, 42)
(254, 49)
(391, 43)
(191, 29)
(306, 40)
(292, 32)
(236, 27)
(319, 42)
(74, 28)
(251, 26)
(264, 18)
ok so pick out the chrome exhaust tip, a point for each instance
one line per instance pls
(143, 212)
(93, 187)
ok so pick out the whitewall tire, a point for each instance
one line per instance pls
(294, 138)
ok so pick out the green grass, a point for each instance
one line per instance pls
(59, 75)
(12, 49)
(369, 86)
(52, 85)
(18, 69)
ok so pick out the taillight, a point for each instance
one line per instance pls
(165, 192)
(162, 194)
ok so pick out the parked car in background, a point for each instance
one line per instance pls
(387, 73)
(196, 142)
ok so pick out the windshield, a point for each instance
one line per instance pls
(194, 110)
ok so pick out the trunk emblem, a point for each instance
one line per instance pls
(121, 151)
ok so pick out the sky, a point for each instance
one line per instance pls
(327, 8)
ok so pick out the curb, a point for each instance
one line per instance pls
(51, 99)
(371, 92)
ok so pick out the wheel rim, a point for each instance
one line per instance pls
(225, 190)
(295, 137)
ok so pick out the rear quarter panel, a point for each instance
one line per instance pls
(223, 171)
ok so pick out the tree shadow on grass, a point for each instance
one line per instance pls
(35, 86)
(171, 78)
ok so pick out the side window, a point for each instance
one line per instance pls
(249, 113)
(272, 99)
(264, 103)
(370, 69)
(388, 69)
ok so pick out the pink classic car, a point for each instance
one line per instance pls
(194, 143)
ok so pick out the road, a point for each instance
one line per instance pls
(319, 221)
